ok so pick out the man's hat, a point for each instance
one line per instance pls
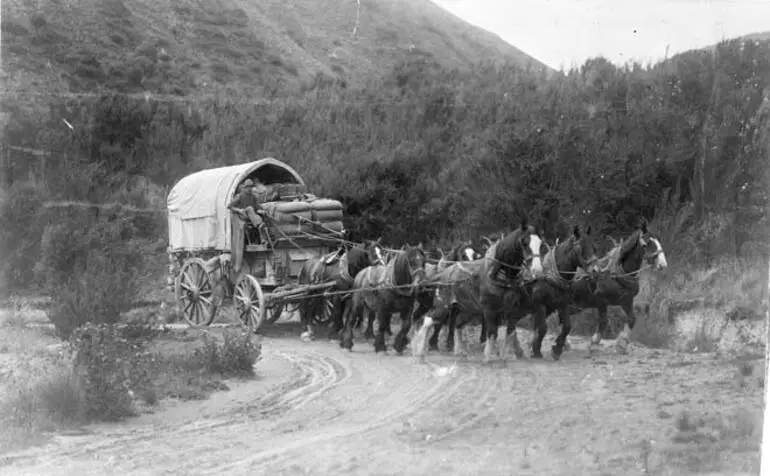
(247, 183)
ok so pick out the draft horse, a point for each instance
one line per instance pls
(483, 292)
(340, 266)
(552, 290)
(617, 284)
(461, 253)
(546, 292)
(382, 290)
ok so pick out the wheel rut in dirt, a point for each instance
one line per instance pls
(313, 374)
(422, 393)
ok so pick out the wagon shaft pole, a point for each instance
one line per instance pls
(300, 290)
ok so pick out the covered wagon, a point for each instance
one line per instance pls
(214, 255)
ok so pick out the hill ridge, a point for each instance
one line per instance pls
(181, 47)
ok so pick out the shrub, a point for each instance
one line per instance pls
(235, 357)
(104, 363)
(91, 271)
(20, 225)
(42, 400)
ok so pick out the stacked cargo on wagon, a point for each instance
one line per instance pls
(214, 255)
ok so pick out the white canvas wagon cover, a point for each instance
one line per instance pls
(198, 217)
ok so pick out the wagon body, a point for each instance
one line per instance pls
(213, 254)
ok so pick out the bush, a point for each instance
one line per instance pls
(40, 399)
(91, 270)
(20, 225)
(235, 357)
(104, 362)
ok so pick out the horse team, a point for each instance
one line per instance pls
(518, 275)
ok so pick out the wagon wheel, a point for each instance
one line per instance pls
(249, 302)
(277, 310)
(194, 293)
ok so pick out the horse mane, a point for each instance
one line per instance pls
(629, 243)
(400, 265)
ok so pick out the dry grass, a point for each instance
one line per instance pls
(42, 391)
(713, 309)
(704, 442)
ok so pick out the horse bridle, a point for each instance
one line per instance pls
(413, 272)
(644, 242)
(577, 243)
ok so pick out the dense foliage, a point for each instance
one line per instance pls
(429, 155)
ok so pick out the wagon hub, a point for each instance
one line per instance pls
(194, 293)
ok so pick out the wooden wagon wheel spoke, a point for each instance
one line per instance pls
(193, 291)
(249, 302)
(194, 314)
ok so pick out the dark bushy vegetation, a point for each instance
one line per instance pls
(90, 268)
(432, 155)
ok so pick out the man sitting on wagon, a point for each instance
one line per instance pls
(246, 205)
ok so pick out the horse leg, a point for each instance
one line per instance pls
(621, 343)
(420, 340)
(401, 339)
(349, 316)
(450, 335)
(307, 322)
(490, 347)
(601, 328)
(338, 309)
(434, 338)
(460, 350)
(566, 325)
(540, 316)
(383, 322)
(369, 333)
(483, 337)
(511, 341)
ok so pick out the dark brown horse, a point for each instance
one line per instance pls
(460, 253)
(341, 267)
(552, 290)
(383, 290)
(618, 281)
(539, 296)
(480, 289)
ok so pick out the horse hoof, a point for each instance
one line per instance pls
(537, 355)
(621, 345)
(556, 355)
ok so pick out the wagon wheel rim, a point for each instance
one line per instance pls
(276, 311)
(249, 302)
(195, 294)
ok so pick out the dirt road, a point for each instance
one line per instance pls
(320, 410)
